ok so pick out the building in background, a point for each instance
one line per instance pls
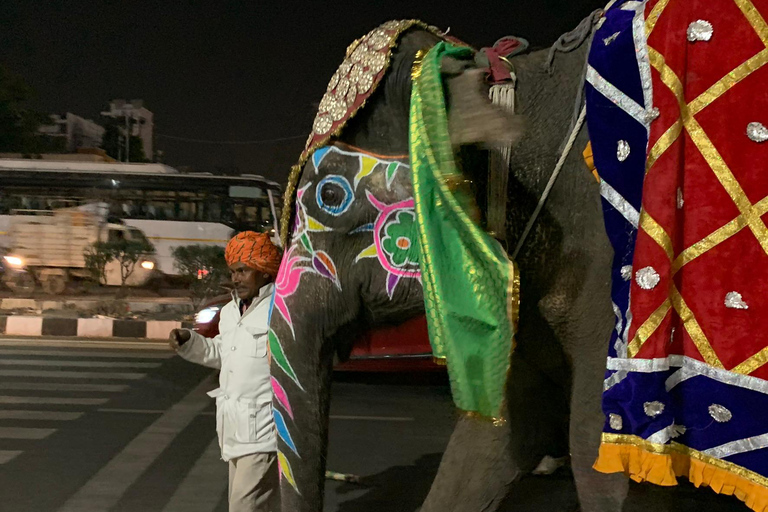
(140, 120)
(78, 132)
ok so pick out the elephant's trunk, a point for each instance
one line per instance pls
(309, 436)
(301, 406)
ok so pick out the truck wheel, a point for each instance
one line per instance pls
(55, 284)
(23, 284)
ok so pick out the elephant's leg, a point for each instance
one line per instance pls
(597, 492)
(483, 460)
(476, 469)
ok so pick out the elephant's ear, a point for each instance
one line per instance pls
(472, 118)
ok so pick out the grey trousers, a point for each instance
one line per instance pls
(254, 484)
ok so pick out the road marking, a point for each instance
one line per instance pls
(132, 411)
(25, 432)
(50, 400)
(106, 487)
(87, 353)
(371, 418)
(45, 386)
(78, 364)
(71, 375)
(213, 413)
(75, 343)
(39, 415)
(145, 411)
(202, 488)
(8, 455)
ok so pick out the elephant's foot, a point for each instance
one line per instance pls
(549, 465)
(476, 470)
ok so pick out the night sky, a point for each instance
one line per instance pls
(238, 71)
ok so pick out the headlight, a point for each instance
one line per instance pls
(205, 316)
(14, 261)
(147, 265)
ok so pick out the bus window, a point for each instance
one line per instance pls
(189, 210)
(138, 236)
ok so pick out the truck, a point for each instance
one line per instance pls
(48, 247)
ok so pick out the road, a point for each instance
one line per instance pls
(87, 428)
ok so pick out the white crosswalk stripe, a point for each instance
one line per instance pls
(8, 455)
(40, 395)
(87, 353)
(25, 432)
(39, 415)
(107, 486)
(202, 488)
(50, 400)
(79, 364)
(72, 375)
(33, 378)
(60, 386)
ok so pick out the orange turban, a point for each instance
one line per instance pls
(255, 250)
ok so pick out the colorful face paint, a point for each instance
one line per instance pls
(281, 396)
(286, 471)
(394, 247)
(282, 430)
(394, 241)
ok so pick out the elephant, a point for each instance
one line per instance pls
(352, 263)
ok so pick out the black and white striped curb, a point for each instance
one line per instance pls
(18, 325)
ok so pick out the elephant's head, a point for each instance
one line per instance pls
(352, 260)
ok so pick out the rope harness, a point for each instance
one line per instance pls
(566, 43)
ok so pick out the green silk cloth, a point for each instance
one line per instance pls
(471, 287)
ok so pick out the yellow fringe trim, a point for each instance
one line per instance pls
(663, 468)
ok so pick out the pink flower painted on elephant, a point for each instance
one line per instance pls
(287, 282)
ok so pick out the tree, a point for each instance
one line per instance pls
(126, 252)
(203, 268)
(18, 123)
(97, 256)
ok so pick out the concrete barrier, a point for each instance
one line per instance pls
(17, 325)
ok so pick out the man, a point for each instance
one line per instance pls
(243, 399)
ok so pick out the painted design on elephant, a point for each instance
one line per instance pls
(367, 164)
(394, 241)
(282, 430)
(287, 282)
(281, 396)
(278, 357)
(342, 183)
(294, 266)
(394, 238)
(286, 471)
(301, 258)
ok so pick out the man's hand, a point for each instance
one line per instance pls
(178, 338)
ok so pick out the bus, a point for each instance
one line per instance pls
(171, 208)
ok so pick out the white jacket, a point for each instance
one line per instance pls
(244, 397)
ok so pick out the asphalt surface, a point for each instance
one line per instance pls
(86, 428)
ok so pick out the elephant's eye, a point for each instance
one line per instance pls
(331, 194)
(334, 194)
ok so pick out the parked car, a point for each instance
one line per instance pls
(389, 349)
